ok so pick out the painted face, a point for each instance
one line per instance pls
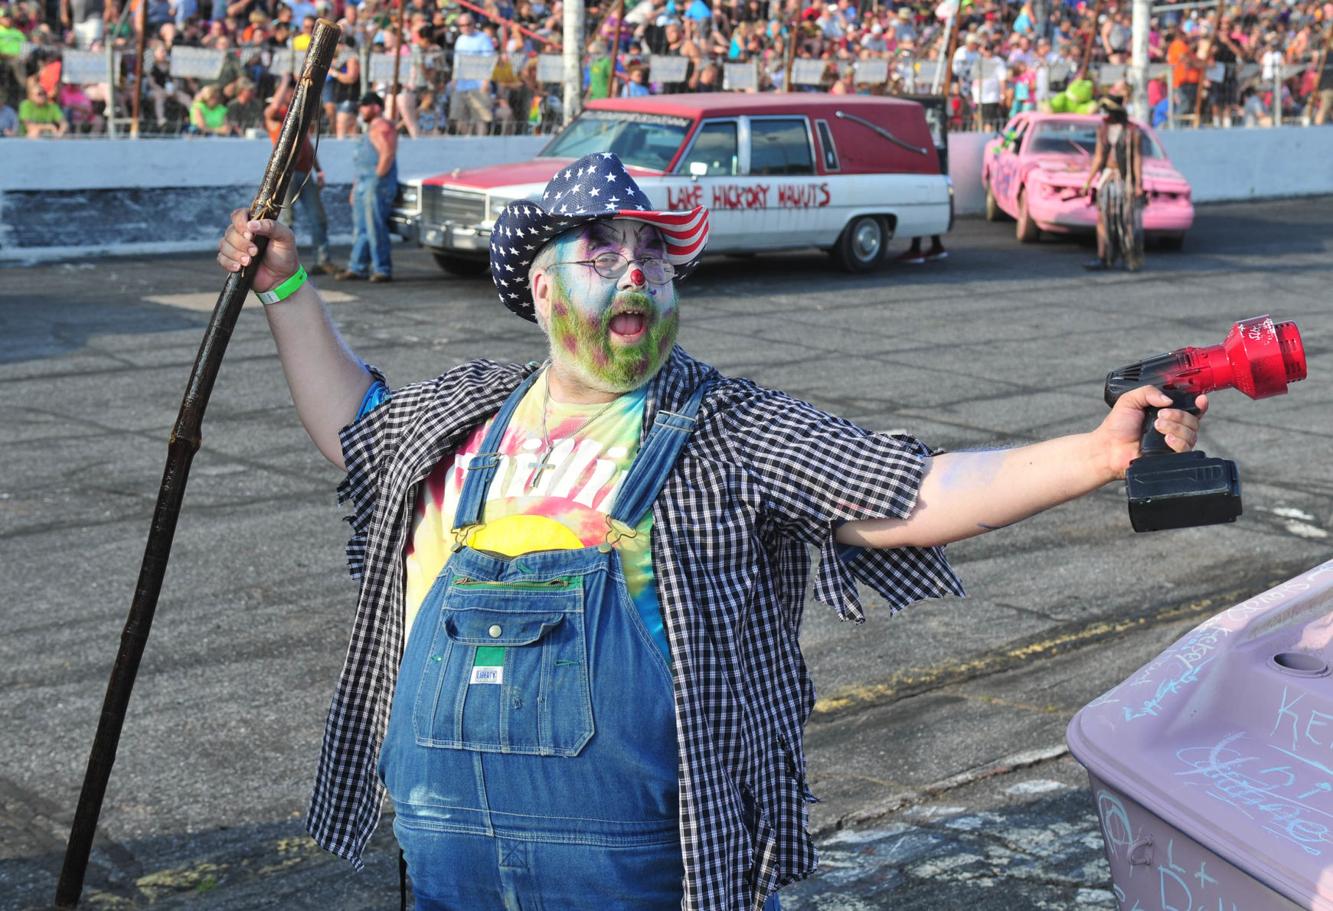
(610, 334)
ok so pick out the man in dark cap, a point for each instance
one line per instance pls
(575, 666)
(373, 191)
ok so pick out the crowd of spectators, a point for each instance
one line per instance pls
(1246, 64)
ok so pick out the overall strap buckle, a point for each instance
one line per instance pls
(616, 531)
(462, 533)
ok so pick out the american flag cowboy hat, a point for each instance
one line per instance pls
(593, 188)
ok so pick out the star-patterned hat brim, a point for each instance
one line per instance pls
(594, 188)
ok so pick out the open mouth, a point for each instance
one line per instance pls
(628, 326)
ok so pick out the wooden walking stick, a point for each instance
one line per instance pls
(615, 46)
(1201, 87)
(791, 54)
(394, 88)
(950, 46)
(140, 71)
(1092, 36)
(1320, 62)
(183, 443)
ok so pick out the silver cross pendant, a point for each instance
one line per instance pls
(540, 468)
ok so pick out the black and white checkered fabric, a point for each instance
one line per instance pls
(763, 479)
(594, 188)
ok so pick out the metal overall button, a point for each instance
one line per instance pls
(495, 631)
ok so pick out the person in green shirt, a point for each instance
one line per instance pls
(40, 116)
(11, 39)
(208, 114)
(11, 45)
(599, 71)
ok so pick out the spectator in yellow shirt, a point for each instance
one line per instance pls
(301, 41)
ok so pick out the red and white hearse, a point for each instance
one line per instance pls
(786, 171)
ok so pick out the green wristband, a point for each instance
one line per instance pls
(284, 290)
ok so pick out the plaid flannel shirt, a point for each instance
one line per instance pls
(763, 478)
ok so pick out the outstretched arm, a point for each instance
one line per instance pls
(327, 380)
(968, 493)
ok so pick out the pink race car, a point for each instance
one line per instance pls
(1033, 171)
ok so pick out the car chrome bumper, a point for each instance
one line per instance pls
(463, 238)
(404, 225)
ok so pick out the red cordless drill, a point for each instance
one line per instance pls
(1182, 489)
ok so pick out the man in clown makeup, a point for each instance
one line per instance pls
(574, 666)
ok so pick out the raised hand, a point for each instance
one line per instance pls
(237, 247)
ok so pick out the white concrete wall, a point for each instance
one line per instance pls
(1219, 164)
(1253, 163)
(103, 164)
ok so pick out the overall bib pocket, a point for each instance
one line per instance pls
(507, 670)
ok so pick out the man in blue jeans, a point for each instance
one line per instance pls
(575, 665)
(376, 185)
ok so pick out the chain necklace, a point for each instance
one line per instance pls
(544, 462)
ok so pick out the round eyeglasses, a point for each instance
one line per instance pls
(613, 265)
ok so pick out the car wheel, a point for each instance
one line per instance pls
(861, 245)
(993, 210)
(1171, 241)
(1026, 229)
(462, 266)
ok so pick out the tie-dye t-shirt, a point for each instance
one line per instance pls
(563, 507)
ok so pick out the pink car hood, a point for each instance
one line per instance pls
(1071, 171)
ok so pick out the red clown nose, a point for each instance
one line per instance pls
(638, 277)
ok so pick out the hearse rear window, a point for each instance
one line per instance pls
(780, 146)
(826, 143)
(642, 140)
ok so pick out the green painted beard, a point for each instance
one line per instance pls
(582, 343)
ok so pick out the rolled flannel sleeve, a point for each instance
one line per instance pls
(362, 443)
(814, 472)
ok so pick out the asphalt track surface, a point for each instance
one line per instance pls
(938, 742)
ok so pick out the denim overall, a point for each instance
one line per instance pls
(372, 201)
(556, 788)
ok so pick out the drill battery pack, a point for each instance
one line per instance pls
(1181, 490)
